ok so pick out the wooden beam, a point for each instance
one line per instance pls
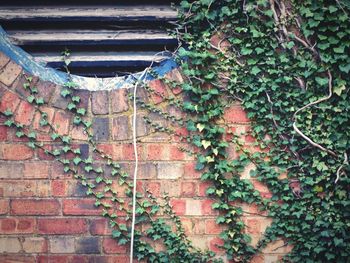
(88, 13)
(91, 37)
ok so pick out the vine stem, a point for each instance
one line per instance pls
(296, 129)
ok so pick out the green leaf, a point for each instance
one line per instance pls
(81, 111)
(65, 93)
(30, 98)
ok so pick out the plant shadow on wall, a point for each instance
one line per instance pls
(287, 64)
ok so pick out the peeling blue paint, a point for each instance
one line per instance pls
(27, 62)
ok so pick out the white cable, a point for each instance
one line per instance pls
(136, 166)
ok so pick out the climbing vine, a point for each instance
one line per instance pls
(287, 64)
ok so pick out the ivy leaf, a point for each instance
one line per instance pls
(8, 113)
(65, 93)
(30, 98)
(321, 81)
(339, 89)
(205, 144)
(19, 134)
(81, 111)
(76, 160)
(200, 127)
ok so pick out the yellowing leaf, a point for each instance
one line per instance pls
(338, 90)
(215, 151)
(205, 144)
(209, 159)
(200, 127)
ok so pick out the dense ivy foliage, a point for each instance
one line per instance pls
(288, 64)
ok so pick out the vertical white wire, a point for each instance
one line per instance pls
(136, 167)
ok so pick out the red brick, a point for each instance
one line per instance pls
(181, 132)
(110, 246)
(262, 188)
(26, 225)
(45, 156)
(17, 259)
(78, 133)
(8, 225)
(36, 170)
(3, 133)
(34, 207)
(156, 152)
(9, 73)
(160, 88)
(4, 205)
(100, 227)
(58, 187)
(212, 228)
(176, 154)
(99, 102)
(3, 60)
(9, 101)
(80, 207)
(188, 189)
(62, 226)
(258, 259)
(203, 187)
(16, 152)
(207, 207)
(154, 188)
(214, 243)
(61, 122)
(191, 172)
(25, 113)
(50, 114)
(175, 76)
(179, 206)
(235, 114)
(53, 259)
(119, 100)
(128, 152)
(253, 226)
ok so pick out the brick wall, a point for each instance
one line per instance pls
(45, 215)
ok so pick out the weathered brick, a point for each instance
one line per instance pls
(193, 207)
(34, 245)
(214, 245)
(62, 226)
(4, 132)
(235, 114)
(188, 189)
(100, 227)
(58, 187)
(120, 128)
(212, 228)
(110, 246)
(170, 171)
(17, 225)
(147, 171)
(84, 96)
(142, 128)
(203, 187)
(175, 76)
(80, 207)
(45, 89)
(34, 207)
(154, 188)
(156, 152)
(9, 73)
(11, 170)
(9, 101)
(15, 258)
(100, 127)
(173, 188)
(25, 113)
(99, 102)
(261, 188)
(10, 245)
(78, 133)
(36, 170)
(87, 245)
(191, 172)
(50, 114)
(206, 207)
(58, 100)
(176, 154)
(53, 259)
(3, 60)
(159, 87)
(119, 100)
(16, 152)
(62, 245)
(61, 122)
(179, 206)
(4, 206)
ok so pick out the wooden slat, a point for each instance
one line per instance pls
(91, 37)
(102, 59)
(88, 13)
